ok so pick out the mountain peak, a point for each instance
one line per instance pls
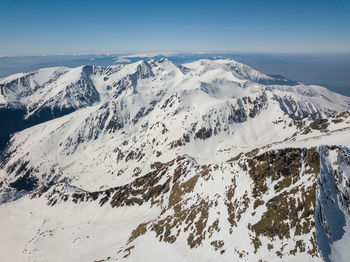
(183, 157)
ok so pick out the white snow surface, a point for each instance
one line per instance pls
(147, 107)
(126, 118)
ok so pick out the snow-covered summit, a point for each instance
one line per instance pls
(83, 86)
(207, 109)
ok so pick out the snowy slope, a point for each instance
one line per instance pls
(104, 131)
(50, 87)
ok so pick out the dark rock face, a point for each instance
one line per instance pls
(204, 133)
(25, 182)
(277, 80)
(13, 120)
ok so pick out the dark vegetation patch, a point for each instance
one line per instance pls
(292, 206)
(320, 124)
(336, 121)
(140, 230)
(235, 206)
(217, 244)
(185, 217)
(283, 165)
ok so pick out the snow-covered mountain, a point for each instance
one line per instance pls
(206, 161)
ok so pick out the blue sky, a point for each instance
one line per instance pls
(33, 27)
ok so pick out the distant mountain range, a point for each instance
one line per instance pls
(330, 70)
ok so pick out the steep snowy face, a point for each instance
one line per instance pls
(52, 88)
(195, 154)
(32, 98)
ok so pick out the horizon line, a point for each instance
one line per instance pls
(171, 53)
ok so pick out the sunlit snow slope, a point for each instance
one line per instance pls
(206, 161)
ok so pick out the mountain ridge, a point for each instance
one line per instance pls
(179, 140)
